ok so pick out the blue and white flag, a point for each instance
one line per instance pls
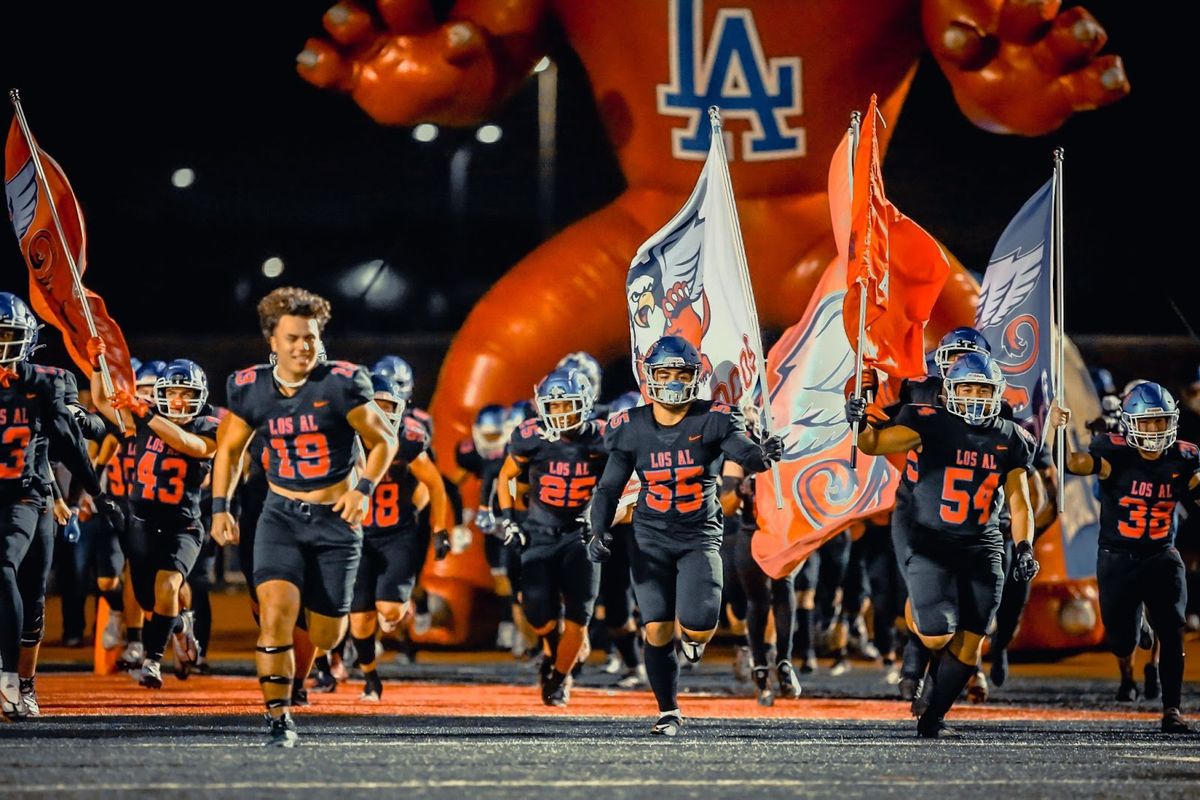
(686, 281)
(1014, 312)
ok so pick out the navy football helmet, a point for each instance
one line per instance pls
(974, 369)
(588, 365)
(563, 385)
(1143, 406)
(146, 376)
(624, 402)
(388, 390)
(957, 342)
(672, 352)
(488, 431)
(181, 374)
(18, 330)
(517, 413)
(398, 370)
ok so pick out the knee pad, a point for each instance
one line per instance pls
(35, 625)
(703, 617)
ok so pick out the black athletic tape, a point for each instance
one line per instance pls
(273, 649)
(282, 702)
(282, 680)
(1096, 464)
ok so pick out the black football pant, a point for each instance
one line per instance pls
(764, 594)
(18, 525)
(1158, 581)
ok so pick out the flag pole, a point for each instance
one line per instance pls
(855, 133)
(1056, 229)
(714, 118)
(34, 151)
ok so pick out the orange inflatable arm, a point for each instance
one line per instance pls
(403, 67)
(1020, 66)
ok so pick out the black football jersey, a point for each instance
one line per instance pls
(426, 420)
(679, 468)
(562, 474)
(307, 441)
(961, 469)
(1138, 498)
(486, 469)
(33, 416)
(164, 484)
(391, 503)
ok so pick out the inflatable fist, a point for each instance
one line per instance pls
(413, 69)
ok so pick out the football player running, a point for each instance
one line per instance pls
(562, 451)
(676, 445)
(310, 415)
(174, 442)
(393, 549)
(966, 454)
(1144, 474)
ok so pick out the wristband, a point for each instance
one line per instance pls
(365, 486)
(220, 505)
(506, 514)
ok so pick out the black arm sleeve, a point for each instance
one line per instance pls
(92, 426)
(608, 492)
(67, 447)
(740, 448)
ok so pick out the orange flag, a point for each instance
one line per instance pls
(806, 372)
(51, 286)
(900, 265)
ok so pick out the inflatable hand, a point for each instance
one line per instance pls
(416, 70)
(1019, 66)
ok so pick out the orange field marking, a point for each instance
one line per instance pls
(118, 695)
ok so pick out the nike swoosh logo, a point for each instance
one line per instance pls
(1001, 447)
(695, 438)
(31, 396)
(320, 403)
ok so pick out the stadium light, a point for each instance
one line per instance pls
(273, 267)
(425, 132)
(183, 177)
(489, 134)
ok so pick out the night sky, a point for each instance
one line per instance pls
(285, 170)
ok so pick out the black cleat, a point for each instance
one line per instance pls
(762, 686)
(324, 682)
(1145, 635)
(668, 724)
(999, 667)
(1172, 722)
(809, 665)
(1151, 689)
(1127, 692)
(909, 688)
(544, 670)
(555, 691)
(372, 687)
(789, 682)
(281, 732)
(931, 727)
(920, 703)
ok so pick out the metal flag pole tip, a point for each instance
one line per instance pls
(714, 116)
(14, 95)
